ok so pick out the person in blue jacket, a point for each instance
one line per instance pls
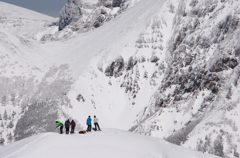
(89, 123)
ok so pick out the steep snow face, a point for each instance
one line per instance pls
(197, 101)
(108, 143)
(100, 92)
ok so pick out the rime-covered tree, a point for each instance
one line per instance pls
(13, 99)
(5, 116)
(10, 125)
(2, 140)
(218, 146)
(0, 117)
(10, 137)
(9, 117)
(4, 100)
(13, 114)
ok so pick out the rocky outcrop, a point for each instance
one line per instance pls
(81, 16)
(78, 13)
(116, 3)
(71, 12)
(115, 68)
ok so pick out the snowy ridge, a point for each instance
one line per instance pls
(108, 143)
(22, 22)
(12, 11)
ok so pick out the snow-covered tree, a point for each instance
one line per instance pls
(10, 125)
(2, 125)
(13, 114)
(9, 117)
(2, 140)
(5, 116)
(10, 137)
(4, 100)
(13, 97)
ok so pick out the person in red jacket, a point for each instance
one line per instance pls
(73, 125)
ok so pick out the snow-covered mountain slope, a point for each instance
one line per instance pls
(107, 47)
(167, 69)
(78, 16)
(22, 22)
(12, 11)
(36, 77)
(108, 143)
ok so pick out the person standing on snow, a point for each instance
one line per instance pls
(67, 125)
(61, 126)
(89, 123)
(73, 124)
(95, 120)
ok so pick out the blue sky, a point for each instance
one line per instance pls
(48, 7)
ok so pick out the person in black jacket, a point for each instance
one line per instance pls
(67, 125)
(73, 124)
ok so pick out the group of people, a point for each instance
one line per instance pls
(89, 124)
(67, 126)
(73, 125)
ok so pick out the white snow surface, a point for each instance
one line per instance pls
(104, 144)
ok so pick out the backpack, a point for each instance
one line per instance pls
(82, 132)
(67, 124)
